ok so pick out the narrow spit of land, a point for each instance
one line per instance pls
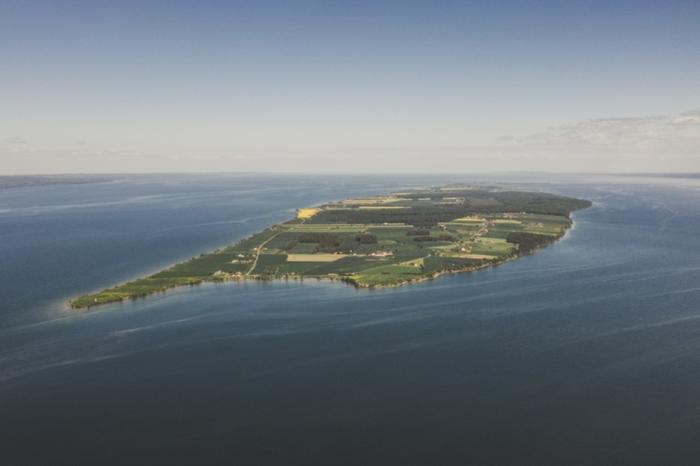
(377, 241)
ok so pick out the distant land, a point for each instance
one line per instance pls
(20, 181)
(377, 241)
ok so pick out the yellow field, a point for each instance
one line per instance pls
(470, 219)
(307, 212)
(475, 256)
(414, 262)
(371, 201)
(314, 257)
(513, 222)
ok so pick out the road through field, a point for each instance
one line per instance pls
(257, 253)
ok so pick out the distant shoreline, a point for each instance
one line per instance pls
(23, 181)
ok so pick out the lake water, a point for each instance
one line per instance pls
(586, 353)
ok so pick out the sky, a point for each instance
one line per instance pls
(349, 86)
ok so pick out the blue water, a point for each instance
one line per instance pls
(585, 353)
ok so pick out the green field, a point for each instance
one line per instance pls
(376, 241)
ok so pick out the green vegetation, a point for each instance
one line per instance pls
(377, 241)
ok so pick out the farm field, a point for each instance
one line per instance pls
(376, 241)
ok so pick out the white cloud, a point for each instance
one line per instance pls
(687, 118)
(645, 143)
(621, 132)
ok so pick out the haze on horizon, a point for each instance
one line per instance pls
(352, 87)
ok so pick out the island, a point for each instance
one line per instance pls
(377, 241)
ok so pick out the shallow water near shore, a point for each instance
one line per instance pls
(584, 353)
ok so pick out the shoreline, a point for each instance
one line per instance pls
(327, 279)
(388, 266)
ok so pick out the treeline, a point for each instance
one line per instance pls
(492, 201)
(366, 238)
(444, 237)
(329, 239)
(477, 202)
(535, 203)
(421, 217)
(528, 242)
(417, 232)
(434, 264)
(334, 243)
